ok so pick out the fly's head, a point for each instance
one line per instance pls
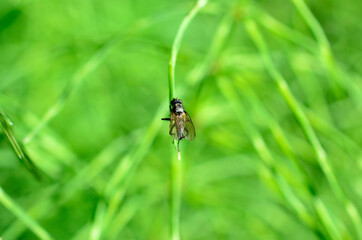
(176, 106)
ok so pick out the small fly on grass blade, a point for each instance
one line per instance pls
(181, 125)
(5, 125)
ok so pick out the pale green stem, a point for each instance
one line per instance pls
(177, 43)
(85, 70)
(176, 176)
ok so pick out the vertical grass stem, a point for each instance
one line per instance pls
(177, 43)
(176, 176)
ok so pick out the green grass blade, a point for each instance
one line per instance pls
(318, 206)
(177, 43)
(325, 51)
(305, 125)
(218, 42)
(284, 189)
(88, 175)
(96, 229)
(278, 28)
(90, 66)
(15, 209)
(176, 189)
(176, 177)
(119, 182)
(72, 87)
(5, 125)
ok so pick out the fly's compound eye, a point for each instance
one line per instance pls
(176, 101)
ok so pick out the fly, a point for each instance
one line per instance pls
(181, 125)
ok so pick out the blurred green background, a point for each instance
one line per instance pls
(273, 88)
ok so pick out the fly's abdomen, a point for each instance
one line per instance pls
(180, 129)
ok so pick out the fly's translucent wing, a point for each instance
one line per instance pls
(189, 130)
(173, 127)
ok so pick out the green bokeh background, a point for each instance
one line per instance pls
(252, 171)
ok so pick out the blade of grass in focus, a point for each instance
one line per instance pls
(177, 43)
(128, 165)
(176, 177)
(88, 67)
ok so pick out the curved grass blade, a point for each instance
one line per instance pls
(90, 174)
(326, 219)
(176, 167)
(100, 162)
(90, 66)
(326, 54)
(278, 28)
(270, 166)
(72, 86)
(119, 182)
(5, 125)
(177, 43)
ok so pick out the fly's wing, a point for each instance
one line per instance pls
(189, 130)
(173, 127)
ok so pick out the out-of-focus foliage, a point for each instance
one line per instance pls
(273, 87)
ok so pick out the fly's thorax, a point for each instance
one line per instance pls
(179, 110)
(177, 107)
